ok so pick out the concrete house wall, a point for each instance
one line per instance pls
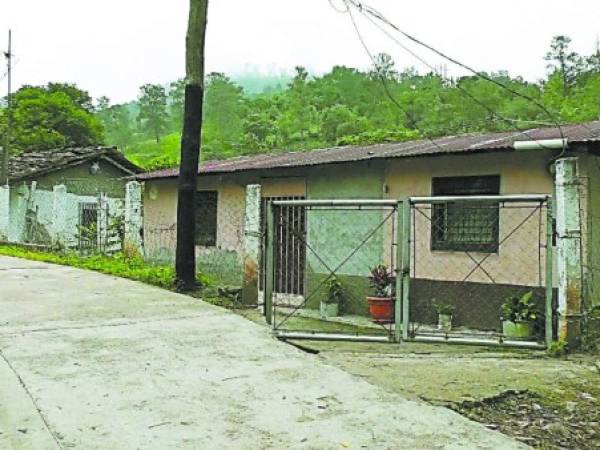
(336, 233)
(53, 205)
(78, 179)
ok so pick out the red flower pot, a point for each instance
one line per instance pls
(381, 309)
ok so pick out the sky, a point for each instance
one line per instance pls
(112, 47)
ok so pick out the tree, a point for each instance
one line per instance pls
(52, 116)
(185, 258)
(564, 61)
(80, 98)
(176, 103)
(224, 108)
(118, 125)
(153, 116)
(384, 67)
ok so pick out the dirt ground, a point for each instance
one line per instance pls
(544, 402)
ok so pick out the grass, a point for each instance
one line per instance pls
(120, 265)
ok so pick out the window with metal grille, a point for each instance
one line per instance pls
(88, 225)
(206, 218)
(466, 226)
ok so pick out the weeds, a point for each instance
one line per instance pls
(130, 266)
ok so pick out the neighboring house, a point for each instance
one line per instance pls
(66, 197)
(485, 164)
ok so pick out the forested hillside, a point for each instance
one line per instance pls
(345, 106)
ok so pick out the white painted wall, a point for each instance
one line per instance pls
(55, 215)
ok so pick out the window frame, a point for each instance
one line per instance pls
(459, 186)
(207, 240)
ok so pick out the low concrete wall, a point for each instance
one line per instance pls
(478, 305)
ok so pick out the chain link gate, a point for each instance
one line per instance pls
(460, 257)
(341, 241)
(480, 270)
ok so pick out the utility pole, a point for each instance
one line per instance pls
(8, 56)
(185, 258)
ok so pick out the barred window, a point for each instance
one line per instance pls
(206, 218)
(466, 226)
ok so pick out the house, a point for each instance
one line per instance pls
(55, 194)
(563, 164)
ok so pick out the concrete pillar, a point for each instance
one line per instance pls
(18, 211)
(4, 212)
(252, 245)
(568, 230)
(133, 216)
(59, 216)
(102, 222)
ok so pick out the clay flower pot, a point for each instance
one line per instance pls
(381, 309)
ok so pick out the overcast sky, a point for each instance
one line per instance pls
(111, 47)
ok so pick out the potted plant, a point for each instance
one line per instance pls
(330, 305)
(445, 313)
(381, 305)
(518, 316)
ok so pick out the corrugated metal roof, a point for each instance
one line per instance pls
(31, 164)
(474, 143)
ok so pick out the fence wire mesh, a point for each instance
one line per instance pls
(322, 255)
(478, 269)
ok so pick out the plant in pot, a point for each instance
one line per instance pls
(381, 305)
(330, 304)
(445, 313)
(519, 314)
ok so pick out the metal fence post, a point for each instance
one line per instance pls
(549, 271)
(399, 271)
(406, 238)
(269, 264)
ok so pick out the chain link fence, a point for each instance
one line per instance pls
(331, 268)
(458, 269)
(481, 269)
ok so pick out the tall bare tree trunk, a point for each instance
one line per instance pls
(185, 262)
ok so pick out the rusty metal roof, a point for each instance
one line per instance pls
(465, 144)
(33, 164)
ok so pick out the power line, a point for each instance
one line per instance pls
(366, 9)
(8, 55)
(460, 88)
(412, 120)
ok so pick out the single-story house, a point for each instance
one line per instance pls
(54, 194)
(506, 163)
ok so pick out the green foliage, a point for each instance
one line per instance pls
(590, 340)
(382, 281)
(153, 118)
(335, 291)
(558, 349)
(444, 309)
(120, 265)
(520, 308)
(347, 106)
(52, 116)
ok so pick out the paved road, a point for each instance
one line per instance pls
(95, 362)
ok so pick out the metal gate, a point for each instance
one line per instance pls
(290, 257)
(464, 269)
(89, 226)
(479, 268)
(342, 243)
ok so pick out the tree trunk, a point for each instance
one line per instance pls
(185, 262)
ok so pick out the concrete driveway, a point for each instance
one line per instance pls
(95, 362)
